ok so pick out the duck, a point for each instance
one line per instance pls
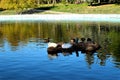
(54, 48)
(97, 46)
(51, 48)
(81, 45)
(91, 46)
(61, 46)
(71, 46)
(51, 44)
(67, 47)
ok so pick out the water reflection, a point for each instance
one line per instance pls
(95, 58)
(17, 34)
(89, 59)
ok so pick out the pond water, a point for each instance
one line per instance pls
(23, 53)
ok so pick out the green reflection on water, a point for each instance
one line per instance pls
(106, 34)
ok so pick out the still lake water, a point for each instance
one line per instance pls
(23, 53)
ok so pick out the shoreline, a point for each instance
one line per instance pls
(62, 17)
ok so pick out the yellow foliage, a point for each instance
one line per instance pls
(17, 4)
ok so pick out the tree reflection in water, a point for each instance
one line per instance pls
(89, 59)
(101, 58)
(106, 34)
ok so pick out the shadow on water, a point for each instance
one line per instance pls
(1, 9)
(36, 10)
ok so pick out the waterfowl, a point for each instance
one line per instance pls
(91, 46)
(53, 48)
(70, 47)
(67, 47)
(51, 44)
(97, 46)
(85, 47)
(81, 45)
